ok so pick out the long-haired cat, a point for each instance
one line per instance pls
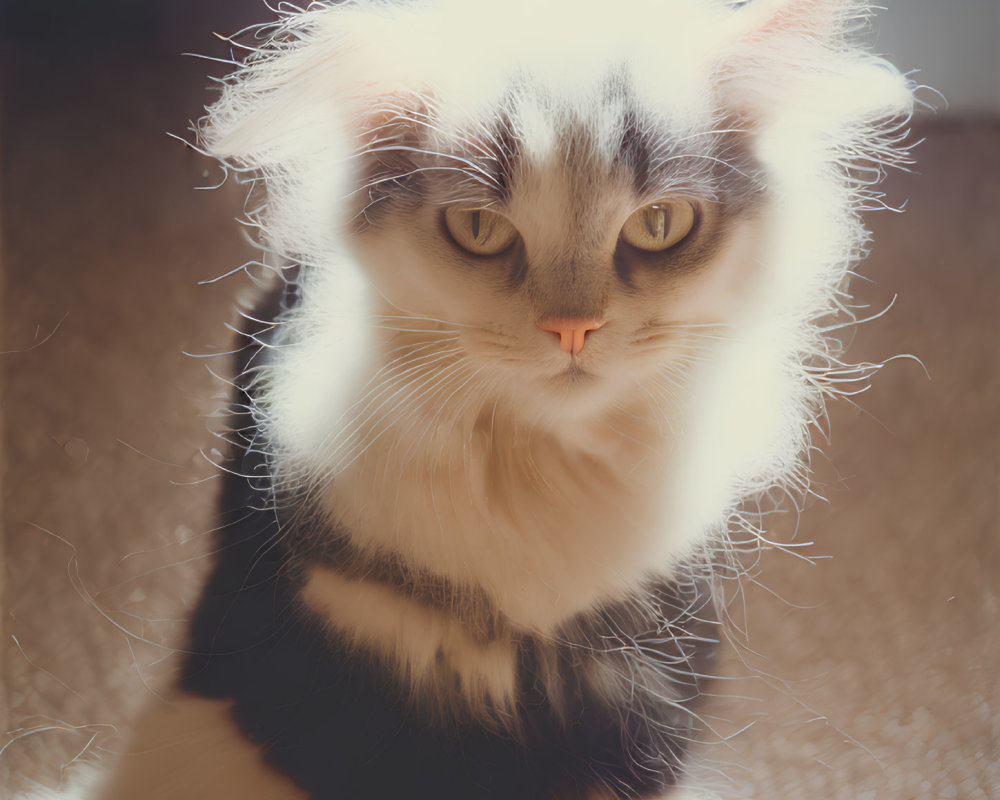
(549, 287)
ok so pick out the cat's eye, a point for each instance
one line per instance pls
(479, 231)
(660, 225)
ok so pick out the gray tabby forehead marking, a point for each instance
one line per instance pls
(423, 162)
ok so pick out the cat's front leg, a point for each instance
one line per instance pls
(191, 749)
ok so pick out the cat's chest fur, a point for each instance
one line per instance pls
(548, 523)
(365, 672)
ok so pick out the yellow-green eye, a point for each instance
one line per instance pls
(660, 225)
(482, 232)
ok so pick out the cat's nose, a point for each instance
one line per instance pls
(571, 332)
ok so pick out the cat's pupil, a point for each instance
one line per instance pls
(475, 224)
(656, 222)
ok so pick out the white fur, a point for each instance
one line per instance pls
(78, 784)
(420, 405)
(388, 393)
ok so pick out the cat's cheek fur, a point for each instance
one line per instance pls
(716, 294)
(545, 527)
(324, 358)
(411, 277)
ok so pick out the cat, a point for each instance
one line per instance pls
(547, 307)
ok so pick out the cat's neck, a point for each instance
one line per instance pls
(549, 520)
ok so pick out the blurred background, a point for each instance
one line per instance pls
(872, 672)
(955, 44)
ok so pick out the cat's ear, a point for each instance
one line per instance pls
(316, 116)
(273, 106)
(797, 54)
(312, 89)
(774, 22)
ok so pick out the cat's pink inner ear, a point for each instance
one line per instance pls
(775, 19)
(381, 116)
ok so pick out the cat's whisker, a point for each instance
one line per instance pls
(476, 170)
(704, 157)
(411, 393)
(426, 121)
(407, 313)
(398, 382)
(421, 318)
(697, 325)
(381, 392)
(399, 372)
(712, 132)
(429, 394)
(442, 335)
(400, 176)
(439, 409)
(411, 348)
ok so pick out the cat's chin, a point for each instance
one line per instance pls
(574, 395)
(575, 374)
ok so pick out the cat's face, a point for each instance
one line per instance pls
(578, 256)
(564, 206)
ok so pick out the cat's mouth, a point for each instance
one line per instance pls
(574, 372)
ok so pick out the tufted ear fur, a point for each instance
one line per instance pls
(775, 21)
(796, 54)
(281, 103)
(312, 97)
(314, 82)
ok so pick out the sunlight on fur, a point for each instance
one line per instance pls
(489, 515)
(416, 355)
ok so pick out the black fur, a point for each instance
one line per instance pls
(336, 720)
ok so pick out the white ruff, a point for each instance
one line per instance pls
(420, 401)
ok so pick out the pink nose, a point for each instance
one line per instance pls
(571, 332)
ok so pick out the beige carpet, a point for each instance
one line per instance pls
(876, 669)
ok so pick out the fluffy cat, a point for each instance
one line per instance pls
(549, 308)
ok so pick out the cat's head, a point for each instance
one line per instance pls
(569, 239)
(579, 199)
